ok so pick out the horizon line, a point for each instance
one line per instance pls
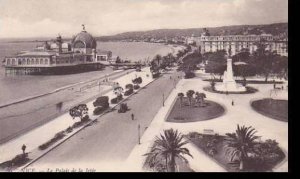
(69, 37)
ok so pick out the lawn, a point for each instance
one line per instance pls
(187, 113)
(273, 108)
(257, 163)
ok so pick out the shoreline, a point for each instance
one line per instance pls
(173, 50)
(54, 91)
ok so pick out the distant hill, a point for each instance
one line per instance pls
(274, 29)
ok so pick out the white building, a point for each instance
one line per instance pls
(239, 42)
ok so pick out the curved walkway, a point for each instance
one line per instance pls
(241, 113)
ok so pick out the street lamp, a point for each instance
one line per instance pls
(139, 138)
(163, 99)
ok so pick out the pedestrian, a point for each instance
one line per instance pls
(282, 87)
(232, 103)
(23, 148)
(274, 86)
(132, 116)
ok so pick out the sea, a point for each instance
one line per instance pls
(18, 87)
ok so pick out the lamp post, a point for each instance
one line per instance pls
(139, 138)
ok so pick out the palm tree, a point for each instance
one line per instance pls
(241, 142)
(180, 95)
(190, 94)
(200, 98)
(168, 147)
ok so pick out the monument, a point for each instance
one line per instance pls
(229, 84)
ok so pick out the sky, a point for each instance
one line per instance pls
(47, 18)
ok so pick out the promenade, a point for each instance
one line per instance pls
(22, 117)
(112, 138)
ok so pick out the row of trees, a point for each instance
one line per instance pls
(168, 147)
(261, 62)
(199, 98)
(162, 62)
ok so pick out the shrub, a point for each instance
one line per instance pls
(85, 118)
(69, 129)
(120, 97)
(137, 80)
(57, 137)
(102, 101)
(98, 110)
(114, 100)
(155, 75)
(136, 87)
(189, 74)
(129, 86)
(19, 160)
(128, 92)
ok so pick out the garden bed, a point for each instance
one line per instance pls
(273, 108)
(186, 113)
(214, 147)
(249, 90)
(16, 162)
(249, 81)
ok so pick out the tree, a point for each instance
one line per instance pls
(190, 94)
(118, 60)
(168, 147)
(129, 86)
(180, 95)
(157, 59)
(216, 62)
(79, 111)
(200, 98)
(118, 91)
(240, 143)
(263, 60)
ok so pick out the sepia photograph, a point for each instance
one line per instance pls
(144, 86)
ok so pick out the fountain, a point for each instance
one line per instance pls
(229, 84)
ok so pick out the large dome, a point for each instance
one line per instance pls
(84, 40)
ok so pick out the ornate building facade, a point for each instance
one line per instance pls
(236, 43)
(81, 52)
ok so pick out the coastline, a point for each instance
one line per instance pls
(26, 114)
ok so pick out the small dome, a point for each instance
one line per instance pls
(84, 40)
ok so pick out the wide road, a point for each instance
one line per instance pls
(115, 134)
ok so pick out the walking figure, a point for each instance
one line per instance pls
(132, 116)
(282, 87)
(23, 148)
(232, 103)
(274, 86)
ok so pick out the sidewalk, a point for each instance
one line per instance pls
(44, 133)
(241, 114)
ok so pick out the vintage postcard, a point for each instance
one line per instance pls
(144, 86)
